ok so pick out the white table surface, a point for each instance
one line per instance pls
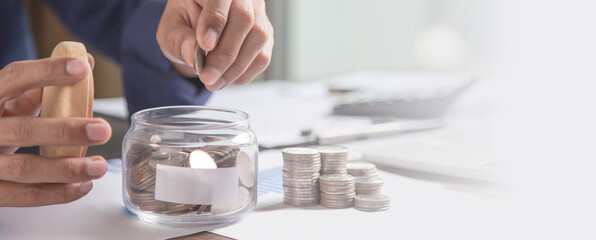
(423, 206)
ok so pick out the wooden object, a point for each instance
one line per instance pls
(68, 101)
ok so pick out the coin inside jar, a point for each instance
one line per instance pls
(142, 175)
(245, 170)
(138, 153)
(167, 158)
(200, 159)
(243, 198)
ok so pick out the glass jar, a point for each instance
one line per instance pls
(189, 166)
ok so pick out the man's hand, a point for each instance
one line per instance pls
(30, 180)
(236, 33)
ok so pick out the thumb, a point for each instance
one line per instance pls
(179, 45)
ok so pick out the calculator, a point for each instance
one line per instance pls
(422, 102)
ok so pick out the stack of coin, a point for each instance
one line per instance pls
(368, 185)
(300, 173)
(371, 203)
(362, 169)
(337, 190)
(333, 159)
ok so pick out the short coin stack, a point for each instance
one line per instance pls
(368, 188)
(362, 169)
(339, 184)
(300, 176)
(333, 159)
(368, 185)
(337, 190)
(371, 203)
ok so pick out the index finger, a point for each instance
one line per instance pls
(212, 22)
(20, 76)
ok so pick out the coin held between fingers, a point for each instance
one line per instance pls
(199, 61)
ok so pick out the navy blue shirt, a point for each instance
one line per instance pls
(125, 31)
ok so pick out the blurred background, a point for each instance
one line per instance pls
(317, 39)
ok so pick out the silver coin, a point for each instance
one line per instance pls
(331, 149)
(202, 208)
(299, 203)
(199, 61)
(201, 159)
(369, 182)
(328, 204)
(368, 191)
(305, 191)
(372, 199)
(335, 171)
(178, 208)
(359, 169)
(336, 178)
(138, 153)
(246, 171)
(155, 138)
(337, 191)
(300, 151)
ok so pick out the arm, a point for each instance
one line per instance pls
(236, 33)
(125, 31)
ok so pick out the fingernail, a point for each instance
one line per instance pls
(209, 76)
(210, 38)
(75, 67)
(85, 187)
(96, 167)
(219, 84)
(97, 131)
(223, 85)
(187, 52)
(91, 60)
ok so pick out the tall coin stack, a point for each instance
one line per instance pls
(337, 190)
(301, 171)
(333, 159)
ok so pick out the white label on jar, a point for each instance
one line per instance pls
(196, 186)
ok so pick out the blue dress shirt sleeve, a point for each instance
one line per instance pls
(125, 31)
